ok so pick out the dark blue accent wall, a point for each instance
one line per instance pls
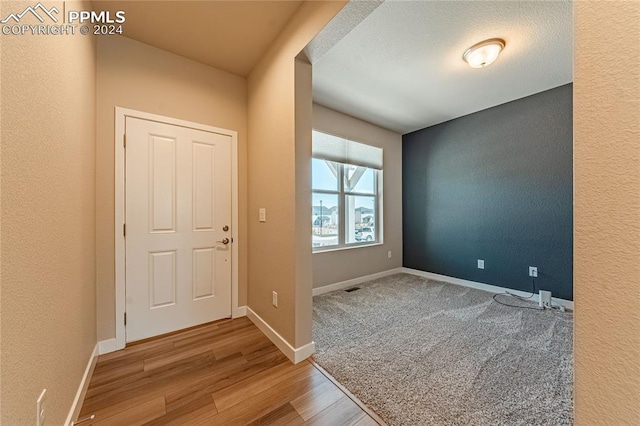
(494, 185)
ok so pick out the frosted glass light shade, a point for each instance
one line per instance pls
(484, 53)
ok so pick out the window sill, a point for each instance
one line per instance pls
(349, 247)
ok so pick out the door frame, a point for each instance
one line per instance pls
(121, 115)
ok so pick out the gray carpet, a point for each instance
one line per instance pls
(421, 352)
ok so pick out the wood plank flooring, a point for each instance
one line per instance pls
(223, 373)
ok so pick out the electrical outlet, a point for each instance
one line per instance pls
(262, 214)
(40, 408)
(480, 264)
(533, 271)
(389, 254)
(274, 298)
(545, 299)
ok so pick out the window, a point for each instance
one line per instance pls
(347, 193)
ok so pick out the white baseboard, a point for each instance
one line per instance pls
(355, 281)
(106, 346)
(294, 355)
(480, 286)
(240, 311)
(82, 389)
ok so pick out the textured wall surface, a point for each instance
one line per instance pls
(494, 185)
(273, 256)
(48, 219)
(335, 266)
(607, 213)
(140, 77)
(0, 231)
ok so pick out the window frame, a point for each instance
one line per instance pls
(342, 193)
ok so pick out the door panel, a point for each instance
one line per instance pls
(203, 273)
(162, 279)
(162, 183)
(178, 200)
(203, 187)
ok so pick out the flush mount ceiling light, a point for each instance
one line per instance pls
(484, 53)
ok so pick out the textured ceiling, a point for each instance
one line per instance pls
(401, 67)
(228, 35)
(347, 19)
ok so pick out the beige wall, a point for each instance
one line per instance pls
(0, 229)
(303, 80)
(607, 212)
(336, 266)
(48, 219)
(275, 264)
(140, 77)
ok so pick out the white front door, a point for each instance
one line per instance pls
(178, 227)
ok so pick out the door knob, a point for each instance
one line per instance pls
(224, 241)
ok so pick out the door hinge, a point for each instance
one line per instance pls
(124, 229)
(125, 318)
(124, 140)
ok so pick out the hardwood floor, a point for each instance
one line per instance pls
(224, 373)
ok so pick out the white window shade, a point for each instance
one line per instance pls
(334, 148)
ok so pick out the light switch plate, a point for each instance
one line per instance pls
(262, 214)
